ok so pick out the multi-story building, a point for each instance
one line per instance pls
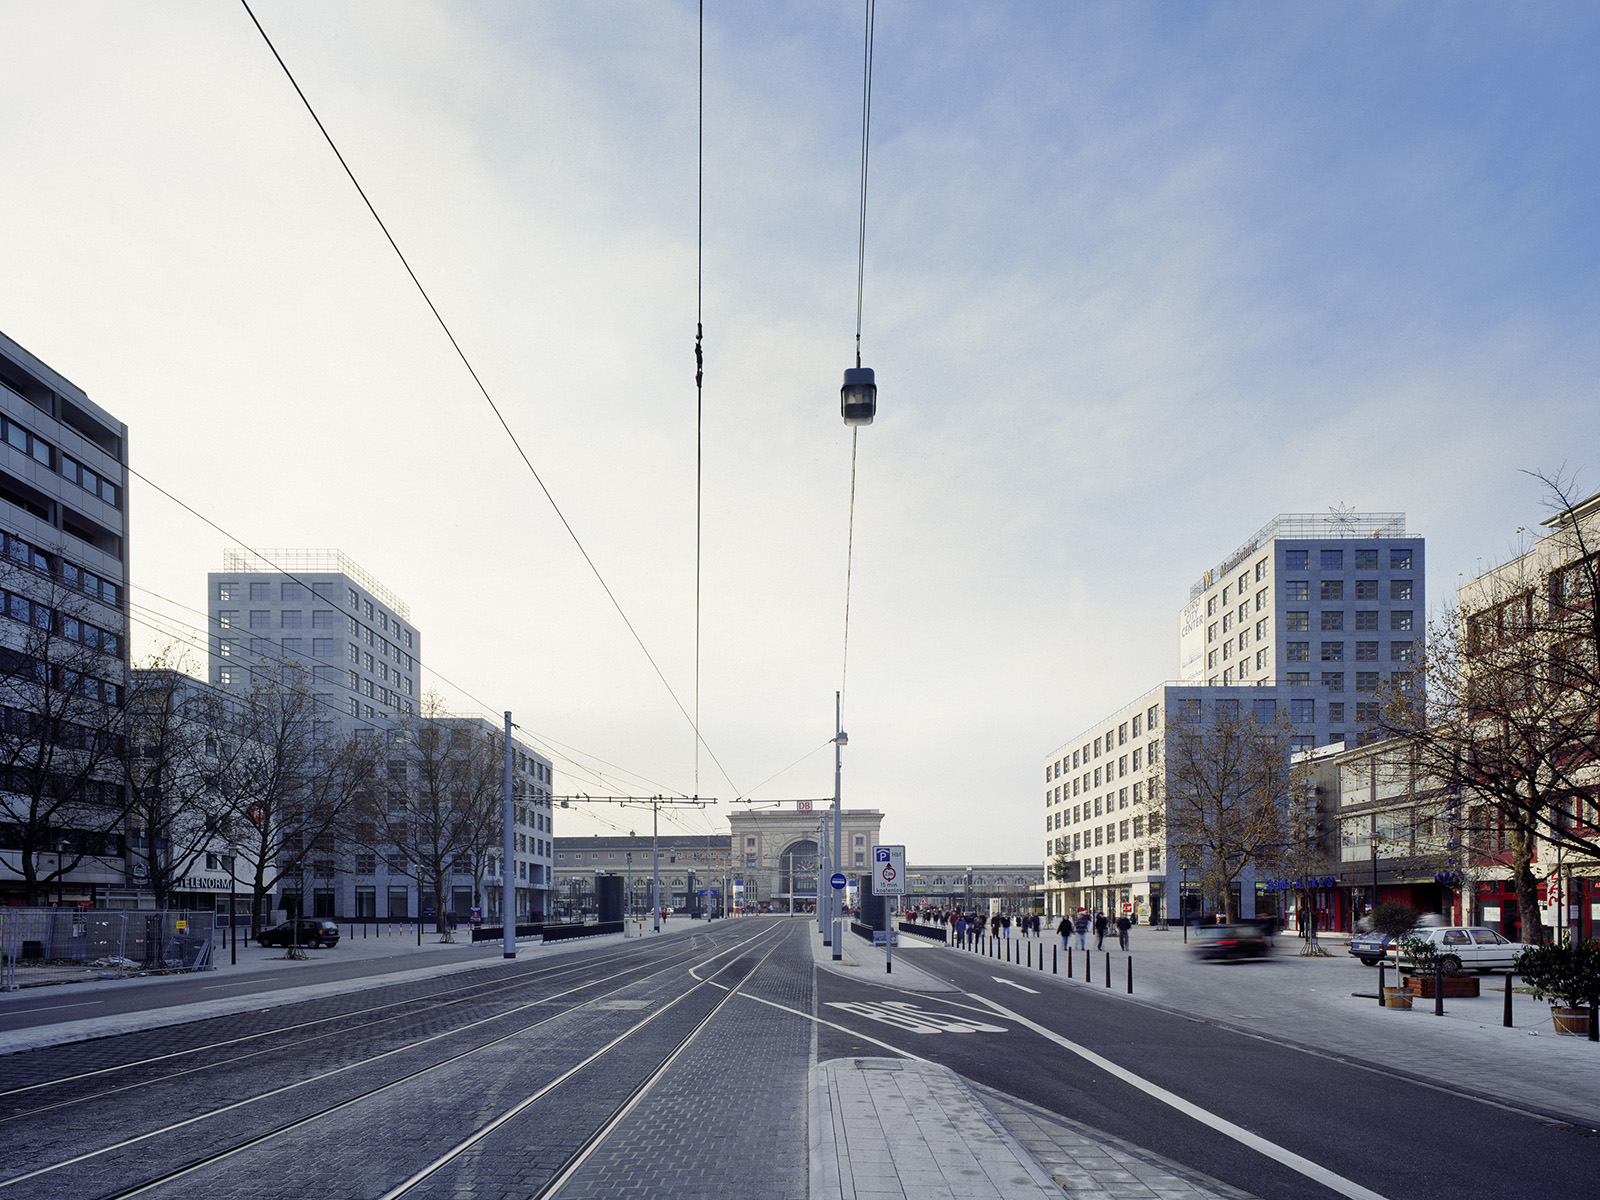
(64, 571)
(694, 869)
(316, 610)
(1329, 608)
(319, 613)
(1017, 887)
(1306, 622)
(777, 853)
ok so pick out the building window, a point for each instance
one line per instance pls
(1366, 622)
(1366, 589)
(1295, 560)
(1336, 712)
(1333, 560)
(1261, 660)
(225, 676)
(1211, 660)
(1297, 590)
(323, 648)
(1332, 651)
(1299, 678)
(289, 618)
(1297, 622)
(1366, 560)
(293, 646)
(260, 591)
(1303, 712)
(1400, 620)
(1150, 718)
(1399, 652)
(1332, 589)
(324, 618)
(1366, 651)
(1400, 560)
(1366, 713)
(861, 859)
(1333, 680)
(260, 618)
(1399, 589)
(1366, 681)
(1264, 710)
(1155, 860)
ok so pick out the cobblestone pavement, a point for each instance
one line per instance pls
(379, 1094)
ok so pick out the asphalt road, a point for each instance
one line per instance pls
(1393, 1136)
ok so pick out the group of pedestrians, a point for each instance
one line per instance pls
(966, 928)
(1080, 924)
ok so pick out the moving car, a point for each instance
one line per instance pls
(1469, 946)
(1371, 948)
(313, 931)
(1230, 941)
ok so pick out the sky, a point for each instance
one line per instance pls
(1138, 277)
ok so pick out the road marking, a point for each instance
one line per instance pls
(1304, 1166)
(905, 1015)
(1018, 986)
(236, 983)
(5, 1012)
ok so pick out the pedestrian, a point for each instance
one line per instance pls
(1064, 929)
(1005, 926)
(1100, 924)
(1081, 924)
(1038, 924)
(1122, 930)
(961, 929)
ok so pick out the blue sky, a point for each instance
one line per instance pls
(1138, 278)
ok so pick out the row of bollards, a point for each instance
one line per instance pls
(1022, 956)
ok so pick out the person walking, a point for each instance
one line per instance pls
(1005, 926)
(1100, 924)
(1064, 931)
(1081, 924)
(1122, 930)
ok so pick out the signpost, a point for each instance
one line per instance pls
(888, 879)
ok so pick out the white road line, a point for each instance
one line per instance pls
(1018, 986)
(1304, 1166)
(6, 1012)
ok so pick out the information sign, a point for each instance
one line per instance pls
(837, 881)
(889, 870)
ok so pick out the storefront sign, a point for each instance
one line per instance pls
(1491, 914)
(208, 882)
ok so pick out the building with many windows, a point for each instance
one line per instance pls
(777, 853)
(694, 869)
(63, 642)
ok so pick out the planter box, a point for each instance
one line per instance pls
(1571, 1021)
(1456, 987)
(1396, 998)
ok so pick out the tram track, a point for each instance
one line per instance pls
(480, 991)
(239, 1145)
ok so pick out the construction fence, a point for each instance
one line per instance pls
(58, 945)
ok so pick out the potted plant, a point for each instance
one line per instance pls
(1567, 972)
(1394, 920)
(1424, 964)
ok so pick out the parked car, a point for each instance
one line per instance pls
(1471, 946)
(313, 931)
(1371, 948)
(1230, 941)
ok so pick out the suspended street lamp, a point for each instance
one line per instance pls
(858, 398)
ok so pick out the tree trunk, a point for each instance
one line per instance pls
(1527, 888)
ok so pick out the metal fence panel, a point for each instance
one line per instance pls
(58, 945)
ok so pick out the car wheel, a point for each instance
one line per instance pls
(1484, 970)
(1451, 962)
(1369, 962)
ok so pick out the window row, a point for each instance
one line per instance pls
(1365, 559)
(48, 456)
(292, 592)
(27, 555)
(1331, 620)
(1335, 651)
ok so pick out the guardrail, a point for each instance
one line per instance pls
(937, 932)
(561, 933)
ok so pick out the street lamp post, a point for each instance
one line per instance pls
(839, 740)
(61, 875)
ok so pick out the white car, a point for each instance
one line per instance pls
(1472, 947)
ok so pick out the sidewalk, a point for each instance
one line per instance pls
(386, 953)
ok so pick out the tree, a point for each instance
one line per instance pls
(292, 779)
(1501, 709)
(1229, 802)
(62, 684)
(178, 747)
(434, 807)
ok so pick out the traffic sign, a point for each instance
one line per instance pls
(837, 881)
(889, 870)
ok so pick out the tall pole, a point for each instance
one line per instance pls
(629, 907)
(508, 860)
(835, 902)
(655, 851)
(824, 880)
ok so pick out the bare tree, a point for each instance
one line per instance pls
(1509, 725)
(62, 682)
(292, 780)
(1229, 802)
(434, 808)
(179, 745)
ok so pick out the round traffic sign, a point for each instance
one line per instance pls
(838, 881)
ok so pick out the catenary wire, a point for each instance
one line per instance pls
(484, 391)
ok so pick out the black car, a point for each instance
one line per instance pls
(312, 931)
(1230, 941)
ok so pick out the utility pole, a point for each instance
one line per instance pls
(508, 871)
(834, 901)
(655, 851)
(824, 880)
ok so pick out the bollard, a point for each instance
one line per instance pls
(1438, 989)
(1594, 1022)
(1030, 954)
(1108, 968)
(1088, 967)
(1053, 970)
(1505, 1018)
(1130, 974)
(1069, 962)
(1382, 967)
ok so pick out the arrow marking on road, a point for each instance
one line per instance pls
(1018, 986)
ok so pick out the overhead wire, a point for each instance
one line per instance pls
(484, 391)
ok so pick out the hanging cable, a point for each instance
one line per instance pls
(699, 368)
(861, 277)
(495, 408)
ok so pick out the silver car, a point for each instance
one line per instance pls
(1470, 946)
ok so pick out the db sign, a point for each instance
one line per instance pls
(889, 870)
